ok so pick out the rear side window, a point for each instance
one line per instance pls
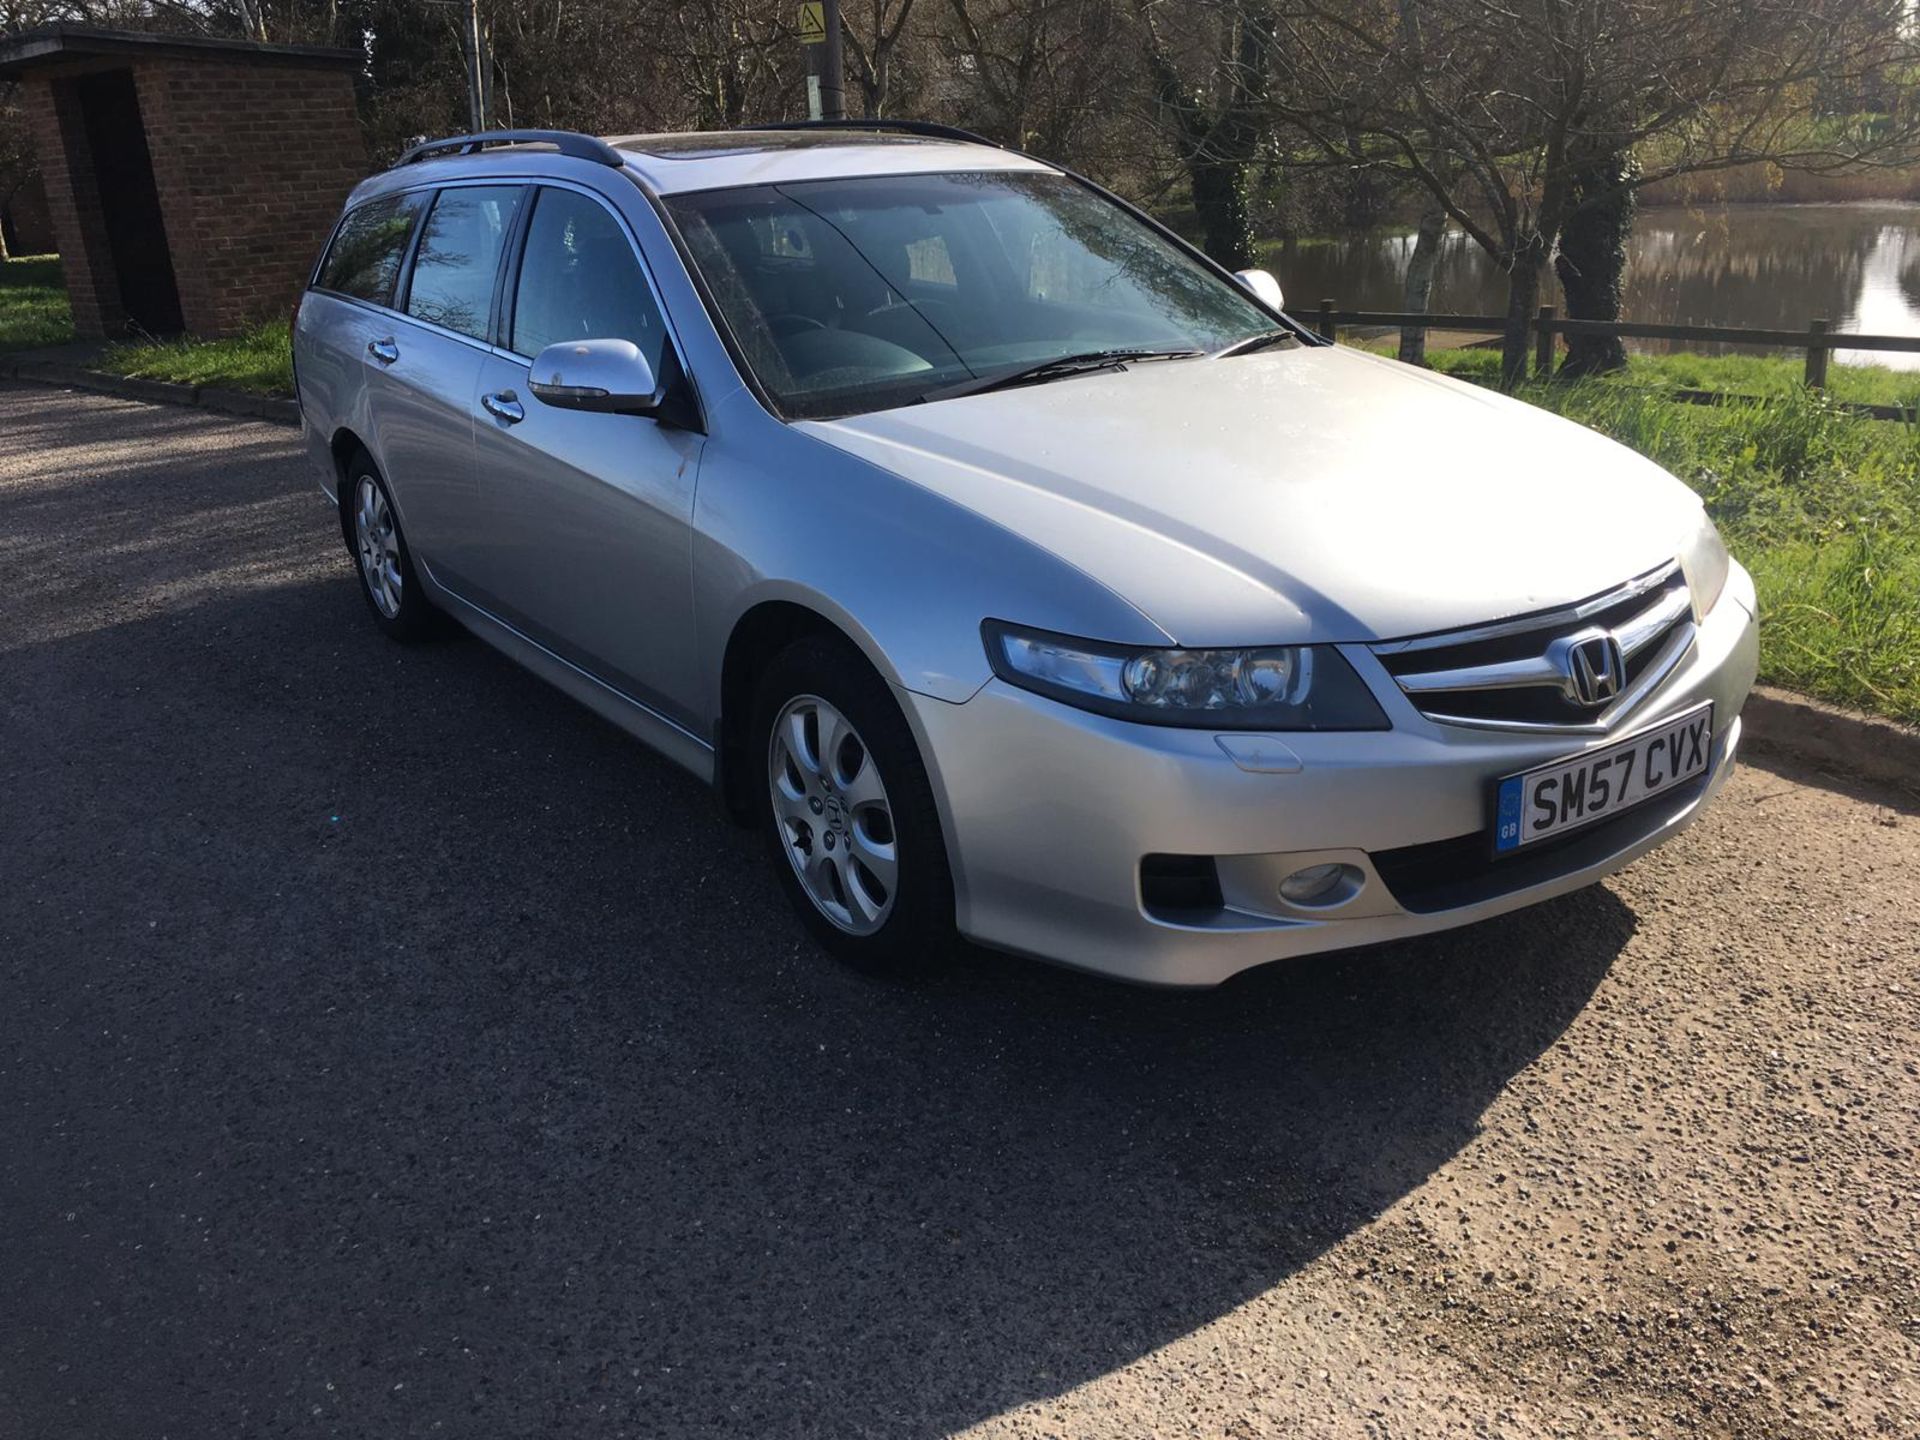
(580, 280)
(459, 255)
(365, 257)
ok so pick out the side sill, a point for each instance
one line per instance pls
(646, 725)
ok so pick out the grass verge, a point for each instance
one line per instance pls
(260, 360)
(33, 303)
(1729, 374)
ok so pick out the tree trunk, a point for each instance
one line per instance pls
(1226, 216)
(1419, 291)
(1524, 273)
(1222, 147)
(1592, 263)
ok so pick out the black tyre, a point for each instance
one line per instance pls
(379, 553)
(848, 812)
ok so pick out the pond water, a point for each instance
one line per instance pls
(1772, 266)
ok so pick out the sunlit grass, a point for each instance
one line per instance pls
(33, 303)
(259, 360)
(1822, 507)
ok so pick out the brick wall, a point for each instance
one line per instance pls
(251, 160)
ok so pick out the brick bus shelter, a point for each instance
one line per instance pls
(190, 181)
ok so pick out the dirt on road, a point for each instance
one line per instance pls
(390, 1048)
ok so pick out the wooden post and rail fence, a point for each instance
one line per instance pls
(1819, 340)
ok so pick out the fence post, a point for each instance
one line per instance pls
(1543, 344)
(1817, 353)
(1326, 320)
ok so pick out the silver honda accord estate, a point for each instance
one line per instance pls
(1015, 569)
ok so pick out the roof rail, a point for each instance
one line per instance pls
(567, 142)
(928, 128)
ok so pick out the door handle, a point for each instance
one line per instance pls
(504, 406)
(385, 351)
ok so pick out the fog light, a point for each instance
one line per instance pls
(1321, 886)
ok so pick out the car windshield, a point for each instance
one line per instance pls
(853, 295)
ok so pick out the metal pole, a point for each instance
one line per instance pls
(826, 78)
(833, 79)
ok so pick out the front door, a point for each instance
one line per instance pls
(587, 516)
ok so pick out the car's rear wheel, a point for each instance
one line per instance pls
(388, 581)
(849, 812)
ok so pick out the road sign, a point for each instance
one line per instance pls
(813, 23)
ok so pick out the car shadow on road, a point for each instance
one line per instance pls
(392, 1043)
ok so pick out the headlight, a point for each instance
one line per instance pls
(1705, 562)
(1278, 687)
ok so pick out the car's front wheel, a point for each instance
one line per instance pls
(849, 812)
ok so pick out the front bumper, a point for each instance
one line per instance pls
(1049, 810)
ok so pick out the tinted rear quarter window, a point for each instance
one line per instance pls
(459, 255)
(364, 259)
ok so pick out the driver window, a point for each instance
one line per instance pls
(580, 280)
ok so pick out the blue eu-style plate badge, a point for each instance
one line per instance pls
(1506, 824)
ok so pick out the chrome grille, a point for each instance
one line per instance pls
(1582, 667)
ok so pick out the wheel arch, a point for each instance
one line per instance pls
(342, 447)
(761, 632)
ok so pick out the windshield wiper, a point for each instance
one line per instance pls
(1256, 342)
(1081, 364)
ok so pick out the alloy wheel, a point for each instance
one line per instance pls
(830, 806)
(378, 544)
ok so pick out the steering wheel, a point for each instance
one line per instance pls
(941, 315)
(791, 322)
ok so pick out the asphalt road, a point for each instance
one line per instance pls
(390, 1048)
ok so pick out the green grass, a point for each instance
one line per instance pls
(33, 303)
(260, 360)
(1822, 507)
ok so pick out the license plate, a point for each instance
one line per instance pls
(1563, 795)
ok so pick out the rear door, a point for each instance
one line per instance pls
(588, 515)
(423, 370)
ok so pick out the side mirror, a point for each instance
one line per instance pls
(1263, 287)
(609, 376)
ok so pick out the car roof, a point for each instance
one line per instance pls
(714, 159)
(684, 161)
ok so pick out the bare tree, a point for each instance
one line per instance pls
(875, 33)
(1040, 74)
(730, 61)
(1212, 83)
